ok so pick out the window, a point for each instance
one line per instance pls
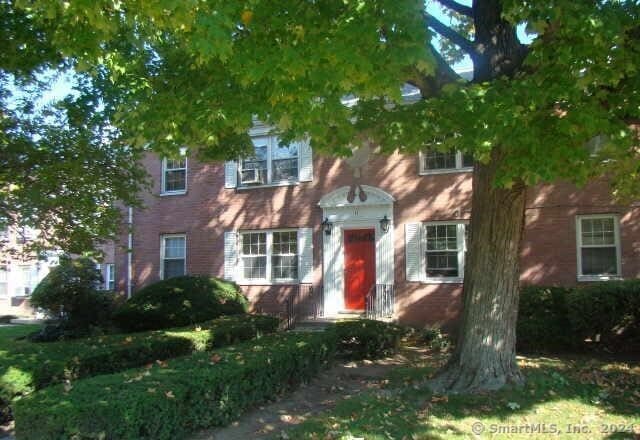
(173, 256)
(174, 176)
(270, 256)
(271, 163)
(433, 162)
(444, 251)
(110, 277)
(598, 239)
(4, 278)
(27, 280)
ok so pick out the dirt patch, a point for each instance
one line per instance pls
(343, 380)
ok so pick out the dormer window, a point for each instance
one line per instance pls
(271, 163)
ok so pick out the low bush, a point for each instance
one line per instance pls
(180, 301)
(6, 319)
(543, 322)
(27, 366)
(167, 400)
(435, 339)
(607, 314)
(367, 339)
(68, 295)
(597, 316)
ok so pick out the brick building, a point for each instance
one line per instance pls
(354, 228)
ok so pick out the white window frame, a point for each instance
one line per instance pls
(109, 276)
(458, 169)
(163, 237)
(163, 191)
(272, 141)
(269, 280)
(4, 279)
(579, 246)
(461, 226)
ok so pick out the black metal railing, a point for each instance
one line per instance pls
(379, 302)
(305, 302)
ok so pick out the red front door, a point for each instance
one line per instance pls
(359, 266)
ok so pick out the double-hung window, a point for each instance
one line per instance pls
(4, 280)
(110, 277)
(173, 256)
(27, 280)
(598, 239)
(271, 163)
(174, 176)
(434, 162)
(269, 256)
(444, 251)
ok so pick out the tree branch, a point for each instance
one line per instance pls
(431, 86)
(457, 7)
(450, 34)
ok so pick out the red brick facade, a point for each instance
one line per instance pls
(208, 209)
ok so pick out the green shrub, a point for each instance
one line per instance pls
(557, 318)
(543, 323)
(68, 294)
(180, 301)
(608, 313)
(367, 339)
(435, 339)
(27, 366)
(166, 401)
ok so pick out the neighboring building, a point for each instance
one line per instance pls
(21, 272)
(286, 218)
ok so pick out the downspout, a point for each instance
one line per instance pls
(130, 253)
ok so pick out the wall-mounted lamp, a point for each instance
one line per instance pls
(384, 224)
(327, 225)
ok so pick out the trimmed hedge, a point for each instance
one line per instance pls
(543, 321)
(27, 366)
(365, 338)
(180, 301)
(167, 401)
(607, 314)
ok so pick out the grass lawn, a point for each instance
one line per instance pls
(564, 397)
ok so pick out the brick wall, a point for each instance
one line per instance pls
(207, 210)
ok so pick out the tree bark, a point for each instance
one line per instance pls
(485, 357)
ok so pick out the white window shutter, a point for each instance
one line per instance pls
(306, 161)
(230, 255)
(305, 255)
(412, 247)
(230, 174)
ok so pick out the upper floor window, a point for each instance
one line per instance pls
(271, 163)
(174, 176)
(434, 162)
(598, 240)
(269, 256)
(173, 255)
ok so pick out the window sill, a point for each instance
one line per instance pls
(446, 171)
(595, 278)
(267, 283)
(173, 193)
(268, 185)
(456, 280)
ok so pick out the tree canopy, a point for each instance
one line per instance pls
(161, 75)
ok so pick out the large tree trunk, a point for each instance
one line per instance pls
(485, 357)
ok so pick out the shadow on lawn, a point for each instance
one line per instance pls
(558, 392)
